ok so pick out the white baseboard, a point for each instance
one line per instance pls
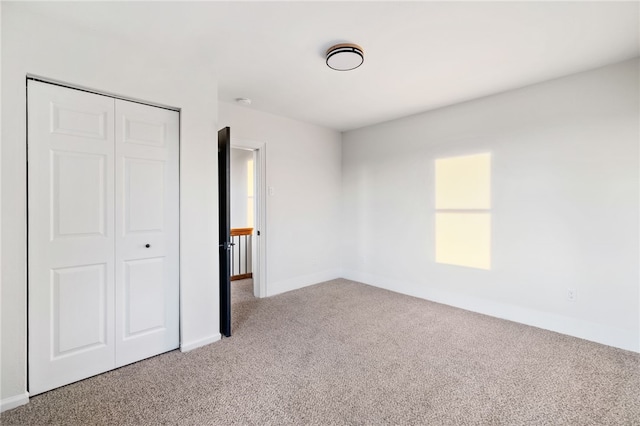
(611, 336)
(295, 283)
(13, 402)
(186, 347)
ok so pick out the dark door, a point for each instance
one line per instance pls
(224, 215)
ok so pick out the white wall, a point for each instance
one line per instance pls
(37, 45)
(239, 193)
(303, 214)
(565, 209)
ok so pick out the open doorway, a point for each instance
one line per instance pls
(250, 237)
(248, 200)
(243, 229)
(247, 223)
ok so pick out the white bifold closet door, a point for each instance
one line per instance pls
(103, 233)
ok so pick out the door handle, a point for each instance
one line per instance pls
(226, 246)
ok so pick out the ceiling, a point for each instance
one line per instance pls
(418, 55)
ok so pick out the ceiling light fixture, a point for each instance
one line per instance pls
(345, 57)
(243, 101)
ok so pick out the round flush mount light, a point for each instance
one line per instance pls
(243, 101)
(345, 57)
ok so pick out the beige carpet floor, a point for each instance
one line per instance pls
(342, 352)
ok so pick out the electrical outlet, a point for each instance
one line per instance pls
(572, 294)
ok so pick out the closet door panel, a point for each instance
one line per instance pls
(103, 233)
(71, 235)
(147, 243)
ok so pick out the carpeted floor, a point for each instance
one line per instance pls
(341, 352)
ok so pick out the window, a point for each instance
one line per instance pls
(463, 211)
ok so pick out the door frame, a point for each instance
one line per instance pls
(259, 249)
